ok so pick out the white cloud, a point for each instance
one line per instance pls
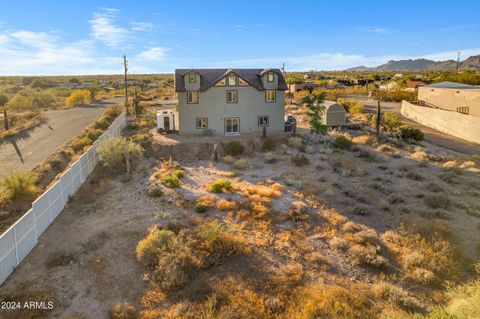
(339, 61)
(153, 54)
(142, 26)
(3, 39)
(39, 40)
(104, 28)
(375, 29)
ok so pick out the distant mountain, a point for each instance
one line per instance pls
(472, 63)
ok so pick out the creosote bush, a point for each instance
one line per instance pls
(220, 186)
(391, 121)
(80, 143)
(113, 153)
(201, 207)
(155, 192)
(341, 142)
(269, 144)
(406, 132)
(299, 160)
(19, 186)
(234, 148)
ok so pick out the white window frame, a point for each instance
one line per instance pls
(268, 98)
(191, 100)
(203, 122)
(236, 95)
(262, 118)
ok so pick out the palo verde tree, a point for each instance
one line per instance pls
(3, 102)
(315, 112)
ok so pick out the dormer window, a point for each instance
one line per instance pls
(192, 78)
(232, 80)
(270, 77)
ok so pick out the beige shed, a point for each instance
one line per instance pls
(335, 114)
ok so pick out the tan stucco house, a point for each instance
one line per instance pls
(451, 96)
(230, 101)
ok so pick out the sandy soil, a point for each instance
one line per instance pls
(86, 259)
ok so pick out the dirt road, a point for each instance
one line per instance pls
(25, 151)
(431, 135)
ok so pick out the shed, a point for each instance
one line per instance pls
(166, 121)
(335, 114)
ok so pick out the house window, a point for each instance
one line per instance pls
(463, 110)
(263, 120)
(221, 82)
(232, 96)
(192, 97)
(232, 80)
(192, 78)
(270, 77)
(202, 122)
(242, 82)
(270, 96)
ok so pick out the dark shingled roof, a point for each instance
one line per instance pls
(211, 76)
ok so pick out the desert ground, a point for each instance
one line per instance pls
(299, 227)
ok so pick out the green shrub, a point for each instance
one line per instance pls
(140, 138)
(93, 134)
(102, 123)
(220, 186)
(179, 173)
(113, 153)
(352, 106)
(79, 143)
(391, 121)
(19, 186)
(171, 181)
(112, 113)
(155, 192)
(299, 160)
(269, 144)
(201, 207)
(407, 132)
(341, 142)
(234, 148)
(149, 247)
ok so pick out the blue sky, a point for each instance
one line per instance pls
(90, 37)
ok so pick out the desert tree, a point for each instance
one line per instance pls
(315, 112)
(3, 102)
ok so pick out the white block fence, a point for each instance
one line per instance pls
(21, 237)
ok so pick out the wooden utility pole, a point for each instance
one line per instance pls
(379, 115)
(458, 61)
(125, 68)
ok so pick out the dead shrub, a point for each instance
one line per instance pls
(395, 295)
(123, 310)
(229, 159)
(363, 139)
(297, 212)
(241, 164)
(225, 205)
(338, 243)
(425, 259)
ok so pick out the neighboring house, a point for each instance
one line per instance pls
(390, 86)
(297, 87)
(451, 96)
(412, 85)
(230, 101)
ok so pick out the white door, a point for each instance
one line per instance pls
(232, 126)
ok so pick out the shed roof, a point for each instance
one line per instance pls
(331, 106)
(452, 85)
(211, 76)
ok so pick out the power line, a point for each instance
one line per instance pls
(125, 68)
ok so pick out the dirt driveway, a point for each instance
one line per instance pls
(431, 135)
(25, 151)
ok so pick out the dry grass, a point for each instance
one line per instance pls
(363, 139)
(225, 205)
(425, 258)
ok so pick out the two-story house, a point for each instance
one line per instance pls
(230, 101)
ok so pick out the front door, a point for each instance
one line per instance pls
(232, 126)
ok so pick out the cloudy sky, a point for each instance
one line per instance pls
(89, 37)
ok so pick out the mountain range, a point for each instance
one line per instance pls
(472, 63)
